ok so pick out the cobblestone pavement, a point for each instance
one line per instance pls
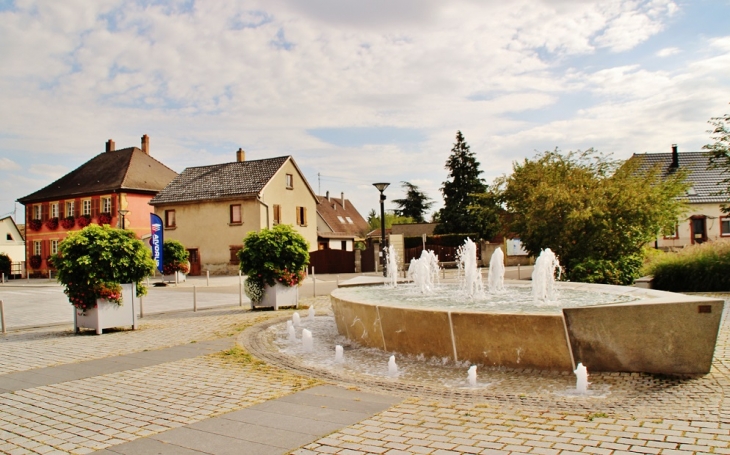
(520, 414)
(640, 413)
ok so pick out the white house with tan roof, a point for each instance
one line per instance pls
(210, 209)
(339, 224)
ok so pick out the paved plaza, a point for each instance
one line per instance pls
(207, 382)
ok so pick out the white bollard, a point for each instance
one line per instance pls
(195, 299)
(141, 307)
(240, 289)
(49, 276)
(314, 284)
(518, 271)
(207, 277)
(176, 282)
(338, 281)
(3, 277)
(2, 316)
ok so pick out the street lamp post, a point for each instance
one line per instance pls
(122, 213)
(381, 187)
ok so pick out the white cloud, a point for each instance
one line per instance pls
(668, 51)
(52, 172)
(7, 164)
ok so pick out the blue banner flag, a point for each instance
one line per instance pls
(156, 240)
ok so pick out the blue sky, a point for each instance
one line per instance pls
(357, 92)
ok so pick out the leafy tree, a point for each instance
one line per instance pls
(415, 204)
(175, 257)
(487, 212)
(720, 149)
(458, 190)
(587, 208)
(390, 219)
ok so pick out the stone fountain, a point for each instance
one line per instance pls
(653, 332)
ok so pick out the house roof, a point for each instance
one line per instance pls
(705, 183)
(16, 228)
(128, 169)
(414, 229)
(220, 181)
(341, 219)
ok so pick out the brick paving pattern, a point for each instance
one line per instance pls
(643, 414)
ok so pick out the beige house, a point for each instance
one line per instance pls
(12, 244)
(704, 220)
(210, 209)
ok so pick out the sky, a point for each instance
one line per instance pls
(357, 92)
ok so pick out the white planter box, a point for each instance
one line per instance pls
(279, 295)
(108, 314)
(171, 278)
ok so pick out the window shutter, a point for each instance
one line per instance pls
(95, 207)
(299, 218)
(61, 209)
(77, 207)
(304, 215)
(114, 205)
(44, 212)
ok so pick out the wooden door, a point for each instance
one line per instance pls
(194, 258)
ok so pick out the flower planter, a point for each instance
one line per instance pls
(279, 295)
(109, 314)
(171, 278)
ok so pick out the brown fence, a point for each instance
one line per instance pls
(332, 261)
(444, 253)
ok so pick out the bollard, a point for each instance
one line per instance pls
(49, 276)
(3, 277)
(148, 281)
(518, 271)
(240, 291)
(195, 299)
(176, 282)
(2, 316)
(207, 277)
(338, 281)
(443, 273)
(314, 284)
(141, 307)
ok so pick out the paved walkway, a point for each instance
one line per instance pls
(184, 384)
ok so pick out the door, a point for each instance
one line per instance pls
(699, 229)
(194, 258)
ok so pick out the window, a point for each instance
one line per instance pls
(70, 206)
(671, 232)
(54, 246)
(37, 248)
(289, 181)
(106, 205)
(349, 220)
(277, 214)
(235, 214)
(170, 219)
(301, 216)
(8, 237)
(54, 210)
(725, 226)
(86, 207)
(37, 212)
(342, 220)
(234, 249)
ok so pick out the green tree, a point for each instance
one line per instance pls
(487, 212)
(720, 149)
(5, 263)
(590, 209)
(390, 219)
(415, 204)
(174, 257)
(462, 183)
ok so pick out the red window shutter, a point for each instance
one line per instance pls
(44, 212)
(95, 206)
(114, 205)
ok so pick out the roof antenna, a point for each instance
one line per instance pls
(319, 184)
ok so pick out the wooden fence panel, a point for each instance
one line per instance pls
(332, 261)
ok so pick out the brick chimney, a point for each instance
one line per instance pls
(675, 157)
(328, 196)
(240, 155)
(343, 199)
(146, 144)
(110, 145)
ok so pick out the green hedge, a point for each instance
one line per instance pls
(442, 240)
(696, 268)
(622, 272)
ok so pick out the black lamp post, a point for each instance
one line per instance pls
(122, 213)
(381, 187)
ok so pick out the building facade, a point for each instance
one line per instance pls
(210, 209)
(111, 188)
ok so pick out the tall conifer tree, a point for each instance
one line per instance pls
(463, 181)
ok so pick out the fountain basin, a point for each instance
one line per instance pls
(662, 332)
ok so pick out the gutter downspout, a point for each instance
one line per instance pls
(258, 197)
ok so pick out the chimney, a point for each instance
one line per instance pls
(328, 196)
(110, 145)
(675, 157)
(343, 200)
(146, 144)
(240, 155)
